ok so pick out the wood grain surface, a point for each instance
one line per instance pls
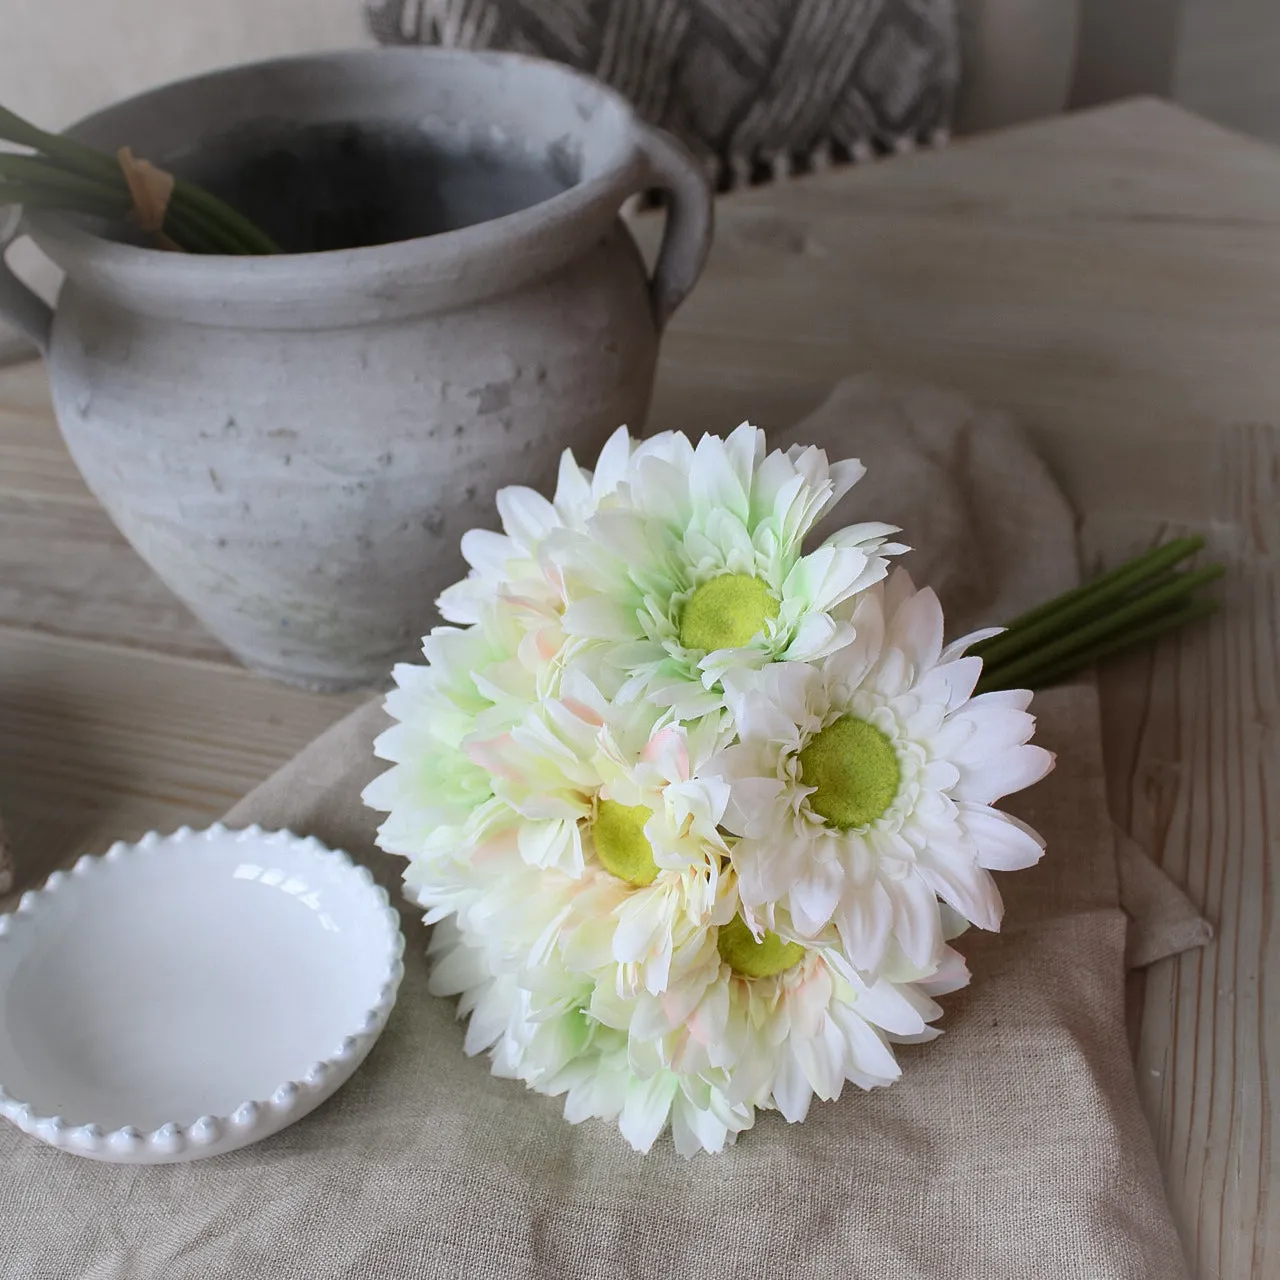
(1114, 280)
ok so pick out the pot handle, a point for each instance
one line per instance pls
(690, 221)
(19, 304)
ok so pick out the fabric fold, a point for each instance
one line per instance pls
(1162, 920)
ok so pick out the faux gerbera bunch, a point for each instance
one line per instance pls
(696, 807)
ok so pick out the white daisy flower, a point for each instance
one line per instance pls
(509, 566)
(584, 819)
(627, 1083)
(693, 566)
(694, 813)
(862, 785)
(779, 1022)
(558, 1049)
(478, 679)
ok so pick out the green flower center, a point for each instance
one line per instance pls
(854, 771)
(726, 612)
(621, 845)
(763, 959)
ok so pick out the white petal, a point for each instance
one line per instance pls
(865, 918)
(868, 1052)
(817, 636)
(641, 925)
(764, 874)
(1013, 699)
(958, 880)
(646, 1109)
(951, 974)
(1004, 843)
(957, 648)
(887, 1006)
(791, 1090)
(815, 894)
(898, 589)
(1004, 774)
(844, 475)
(718, 478)
(549, 844)
(526, 515)
(756, 807)
(993, 731)
(821, 1058)
(916, 923)
(573, 489)
(849, 666)
(916, 628)
(950, 683)
(611, 466)
(599, 618)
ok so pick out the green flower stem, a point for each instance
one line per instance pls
(1009, 672)
(200, 233)
(1168, 554)
(74, 186)
(1052, 673)
(192, 236)
(219, 225)
(42, 196)
(1095, 600)
(70, 154)
(58, 189)
(197, 200)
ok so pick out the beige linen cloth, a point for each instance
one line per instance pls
(1012, 1149)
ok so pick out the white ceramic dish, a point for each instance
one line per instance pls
(190, 994)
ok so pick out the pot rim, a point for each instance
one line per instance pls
(530, 241)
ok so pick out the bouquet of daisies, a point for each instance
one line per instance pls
(695, 810)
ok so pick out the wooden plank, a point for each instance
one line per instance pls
(33, 459)
(64, 570)
(1194, 773)
(100, 743)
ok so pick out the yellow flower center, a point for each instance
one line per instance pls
(854, 770)
(763, 959)
(621, 845)
(726, 612)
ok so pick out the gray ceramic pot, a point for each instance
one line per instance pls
(296, 443)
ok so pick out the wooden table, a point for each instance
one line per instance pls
(1114, 279)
